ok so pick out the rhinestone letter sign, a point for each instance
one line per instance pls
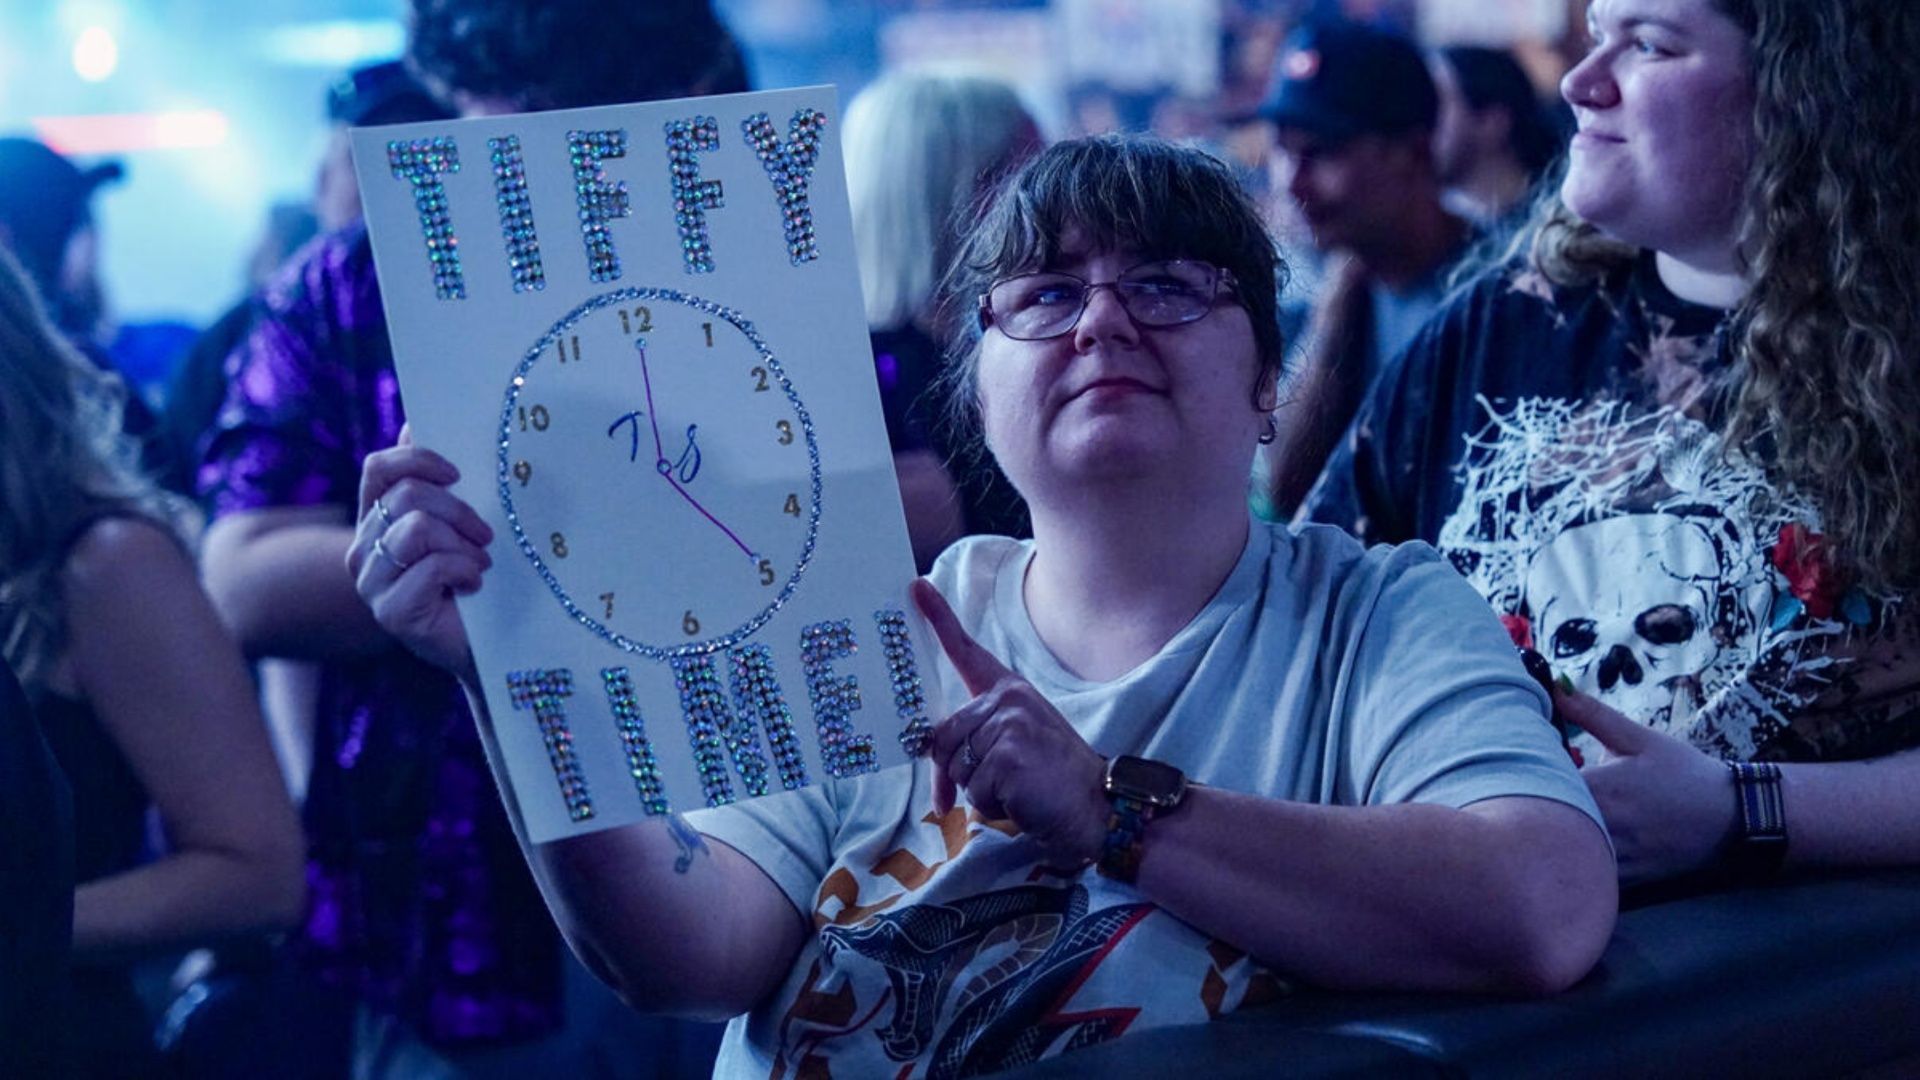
(637, 330)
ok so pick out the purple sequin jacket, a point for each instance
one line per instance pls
(420, 901)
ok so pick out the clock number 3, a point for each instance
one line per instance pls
(786, 431)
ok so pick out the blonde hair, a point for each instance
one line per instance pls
(922, 152)
(63, 462)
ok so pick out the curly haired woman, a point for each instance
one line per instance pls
(139, 693)
(1671, 438)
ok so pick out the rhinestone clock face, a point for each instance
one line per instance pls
(660, 472)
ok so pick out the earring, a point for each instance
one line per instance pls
(1272, 432)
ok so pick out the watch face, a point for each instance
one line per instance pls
(1144, 779)
(710, 521)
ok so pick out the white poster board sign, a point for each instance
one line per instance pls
(637, 332)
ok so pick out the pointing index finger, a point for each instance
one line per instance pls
(1620, 735)
(978, 668)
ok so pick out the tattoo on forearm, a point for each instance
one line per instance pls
(690, 841)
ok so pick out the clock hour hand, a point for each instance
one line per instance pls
(665, 468)
(659, 451)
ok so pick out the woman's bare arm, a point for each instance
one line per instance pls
(150, 657)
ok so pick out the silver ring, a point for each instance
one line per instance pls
(386, 516)
(967, 756)
(380, 549)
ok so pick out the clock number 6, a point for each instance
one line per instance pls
(536, 416)
(689, 625)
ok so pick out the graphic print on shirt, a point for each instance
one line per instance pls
(1654, 570)
(981, 961)
(978, 985)
(999, 964)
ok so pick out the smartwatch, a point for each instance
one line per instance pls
(1759, 846)
(1138, 788)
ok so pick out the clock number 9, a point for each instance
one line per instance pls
(641, 322)
(760, 380)
(536, 416)
(793, 505)
(786, 431)
(689, 625)
(523, 472)
(559, 543)
(766, 571)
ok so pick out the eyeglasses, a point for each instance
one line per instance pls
(1170, 292)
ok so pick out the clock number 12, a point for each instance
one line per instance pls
(640, 323)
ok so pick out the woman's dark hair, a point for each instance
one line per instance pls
(1492, 78)
(563, 54)
(1115, 193)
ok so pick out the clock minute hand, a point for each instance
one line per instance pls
(665, 467)
(695, 503)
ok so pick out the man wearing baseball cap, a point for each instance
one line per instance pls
(1353, 108)
(46, 220)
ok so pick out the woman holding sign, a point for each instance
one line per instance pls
(1376, 812)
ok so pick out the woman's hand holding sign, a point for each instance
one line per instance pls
(416, 546)
(1011, 751)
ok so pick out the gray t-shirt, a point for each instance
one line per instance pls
(1320, 672)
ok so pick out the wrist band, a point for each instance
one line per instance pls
(1760, 846)
(1126, 828)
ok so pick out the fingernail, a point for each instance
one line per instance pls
(1565, 684)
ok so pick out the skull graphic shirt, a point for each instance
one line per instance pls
(1560, 445)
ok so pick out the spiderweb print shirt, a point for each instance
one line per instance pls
(1561, 447)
